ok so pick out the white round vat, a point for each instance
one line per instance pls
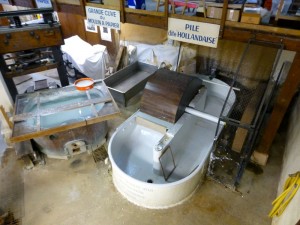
(130, 151)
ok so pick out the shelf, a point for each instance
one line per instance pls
(97, 5)
(31, 70)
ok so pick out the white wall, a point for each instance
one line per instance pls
(291, 164)
(6, 102)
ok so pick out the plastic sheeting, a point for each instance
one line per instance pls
(87, 59)
(158, 54)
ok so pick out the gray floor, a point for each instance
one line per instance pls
(80, 191)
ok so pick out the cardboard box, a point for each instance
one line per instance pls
(216, 13)
(111, 2)
(252, 18)
(233, 15)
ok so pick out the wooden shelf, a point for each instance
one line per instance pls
(102, 6)
(284, 16)
(30, 70)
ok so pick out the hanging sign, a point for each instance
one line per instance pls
(43, 3)
(103, 17)
(4, 2)
(198, 33)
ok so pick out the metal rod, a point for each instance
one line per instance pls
(26, 12)
(203, 115)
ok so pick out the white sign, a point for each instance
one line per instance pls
(90, 27)
(105, 34)
(103, 17)
(205, 34)
(4, 2)
(43, 3)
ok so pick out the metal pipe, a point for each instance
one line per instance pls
(203, 115)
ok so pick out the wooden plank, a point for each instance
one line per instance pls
(260, 158)
(6, 118)
(112, 7)
(167, 93)
(268, 30)
(143, 34)
(72, 24)
(144, 12)
(283, 100)
(3, 21)
(30, 70)
(195, 18)
(68, 8)
(243, 35)
(27, 3)
(223, 18)
(147, 20)
(68, 2)
(153, 126)
(220, 5)
(247, 118)
(119, 58)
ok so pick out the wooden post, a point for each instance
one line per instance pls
(61, 69)
(223, 18)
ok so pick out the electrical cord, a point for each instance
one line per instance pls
(290, 188)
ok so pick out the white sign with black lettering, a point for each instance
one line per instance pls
(199, 33)
(43, 3)
(4, 2)
(103, 17)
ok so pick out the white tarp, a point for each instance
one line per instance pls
(158, 54)
(89, 60)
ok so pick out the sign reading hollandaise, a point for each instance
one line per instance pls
(198, 33)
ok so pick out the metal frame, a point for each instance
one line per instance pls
(161, 165)
(253, 127)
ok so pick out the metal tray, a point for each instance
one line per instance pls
(129, 81)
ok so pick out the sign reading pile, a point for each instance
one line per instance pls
(199, 33)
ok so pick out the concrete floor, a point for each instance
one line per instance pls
(80, 191)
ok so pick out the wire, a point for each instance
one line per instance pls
(290, 188)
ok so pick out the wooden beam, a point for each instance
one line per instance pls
(223, 18)
(29, 70)
(6, 118)
(122, 13)
(119, 58)
(147, 20)
(242, 35)
(283, 100)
